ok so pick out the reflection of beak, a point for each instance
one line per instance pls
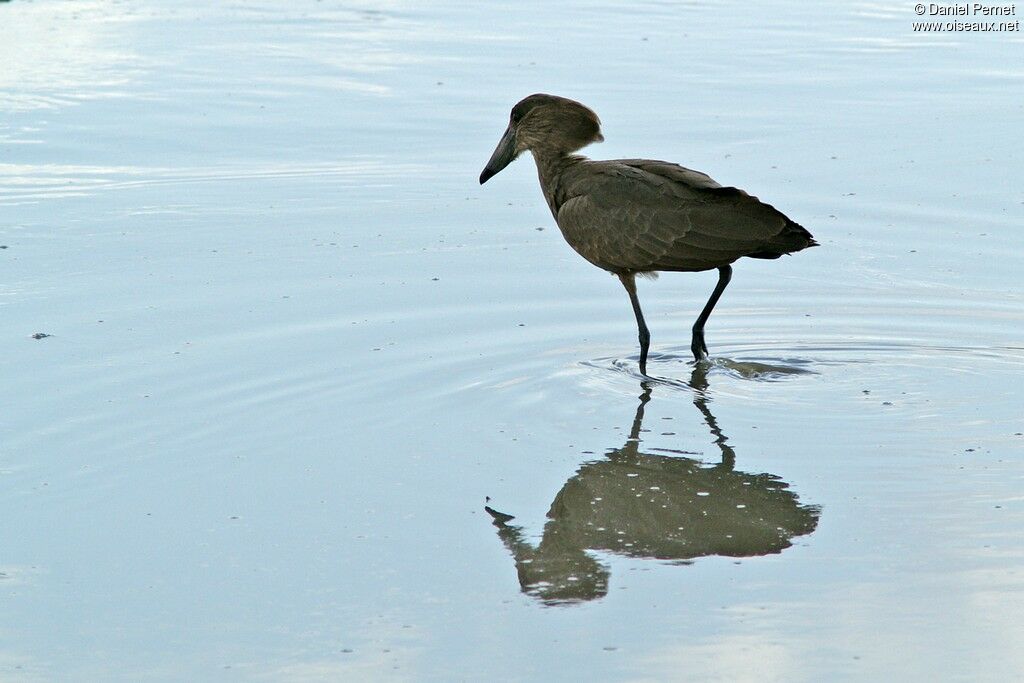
(503, 155)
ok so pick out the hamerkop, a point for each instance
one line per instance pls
(636, 216)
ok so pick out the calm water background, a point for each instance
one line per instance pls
(295, 345)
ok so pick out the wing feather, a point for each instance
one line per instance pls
(639, 215)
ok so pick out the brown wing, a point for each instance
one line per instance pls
(639, 215)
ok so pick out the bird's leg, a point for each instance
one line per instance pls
(699, 348)
(629, 282)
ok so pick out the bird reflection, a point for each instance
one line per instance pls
(646, 505)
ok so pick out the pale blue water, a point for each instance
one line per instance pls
(295, 346)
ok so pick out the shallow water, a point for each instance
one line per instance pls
(295, 349)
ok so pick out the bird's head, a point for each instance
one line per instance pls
(545, 124)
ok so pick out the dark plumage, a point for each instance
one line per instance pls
(631, 216)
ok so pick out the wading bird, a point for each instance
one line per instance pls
(636, 216)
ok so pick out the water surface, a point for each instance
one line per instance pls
(295, 349)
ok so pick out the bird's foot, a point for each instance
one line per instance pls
(698, 347)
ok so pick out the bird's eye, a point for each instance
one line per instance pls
(517, 116)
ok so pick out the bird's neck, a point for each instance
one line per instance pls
(550, 168)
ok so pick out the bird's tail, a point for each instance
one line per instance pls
(792, 238)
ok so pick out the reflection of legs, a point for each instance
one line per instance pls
(629, 282)
(699, 348)
(638, 421)
(699, 384)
